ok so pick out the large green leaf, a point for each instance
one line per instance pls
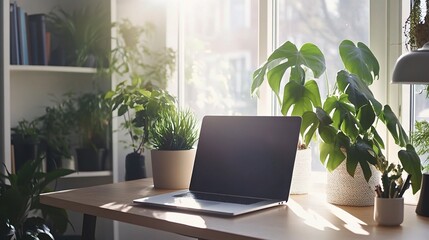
(288, 57)
(343, 115)
(331, 154)
(358, 59)
(309, 125)
(360, 153)
(359, 93)
(366, 117)
(394, 126)
(411, 163)
(301, 97)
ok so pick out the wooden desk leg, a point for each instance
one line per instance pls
(88, 227)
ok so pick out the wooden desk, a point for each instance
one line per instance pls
(304, 216)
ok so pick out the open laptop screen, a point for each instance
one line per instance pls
(246, 156)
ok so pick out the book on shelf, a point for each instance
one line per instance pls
(38, 39)
(14, 47)
(22, 36)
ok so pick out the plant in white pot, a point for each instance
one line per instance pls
(346, 122)
(389, 200)
(173, 137)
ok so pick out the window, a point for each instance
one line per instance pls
(220, 51)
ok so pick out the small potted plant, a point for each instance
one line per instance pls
(92, 121)
(26, 139)
(173, 137)
(21, 214)
(346, 121)
(56, 130)
(139, 109)
(389, 201)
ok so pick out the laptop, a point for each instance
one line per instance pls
(242, 164)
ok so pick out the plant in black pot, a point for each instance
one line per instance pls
(26, 139)
(21, 214)
(57, 127)
(346, 121)
(92, 119)
(139, 109)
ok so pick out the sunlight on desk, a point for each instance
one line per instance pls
(183, 218)
(352, 223)
(310, 217)
(116, 206)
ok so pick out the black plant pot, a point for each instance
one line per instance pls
(90, 159)
(134, 166)
(423, 204)
(24, 150)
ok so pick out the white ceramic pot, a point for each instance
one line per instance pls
(343, 189)
(388, 211)
(301, 177)
(172, 169)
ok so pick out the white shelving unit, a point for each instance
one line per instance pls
(27, 89)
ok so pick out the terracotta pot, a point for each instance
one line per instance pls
(388, 211)
(343, 189)
(172, 169)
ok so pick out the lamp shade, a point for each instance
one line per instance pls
(413, 67)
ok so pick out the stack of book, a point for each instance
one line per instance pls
(29, 40)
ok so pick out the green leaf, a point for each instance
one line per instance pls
(258, 78)
(366, 117)
(302, 97)
(394, 126)
(359, 60)
(122, 110)
(288, 57)
(309, 125)
(360, 152)
(331, 154)
(343, 116)
(358, 93)
(411, 163)
(323, 117)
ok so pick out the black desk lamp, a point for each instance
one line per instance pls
(413, 68)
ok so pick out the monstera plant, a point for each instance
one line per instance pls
(346, 120)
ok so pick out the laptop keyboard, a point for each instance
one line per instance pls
(219, 198)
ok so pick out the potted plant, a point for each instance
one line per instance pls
(82, 37)
(140, 96)
(173, 137)
(21, 214)
(139, 109)
(389, 201)
(26, 139)
(56, 131)
(92, 121)
(417, 26)
(346, 121)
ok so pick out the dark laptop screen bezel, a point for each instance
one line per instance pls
(251, 156)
